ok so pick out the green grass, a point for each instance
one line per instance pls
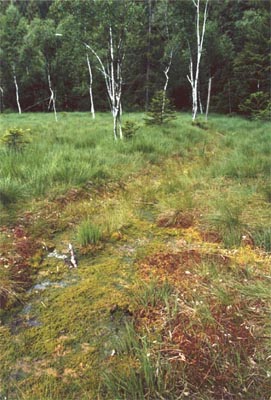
(168, 301)
(262, 238)
(88, 233)
(228, 222)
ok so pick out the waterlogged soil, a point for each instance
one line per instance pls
(63, 333)
(69, 319)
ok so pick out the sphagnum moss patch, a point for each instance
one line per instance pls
(160, 307)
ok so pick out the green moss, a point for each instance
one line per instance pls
(70, 340)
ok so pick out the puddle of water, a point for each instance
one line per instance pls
(23, 322)
(113, 333)
(46, 284)
(25, 319)
(41, 286)
(55, 254)
(32, 322)
(27, 309)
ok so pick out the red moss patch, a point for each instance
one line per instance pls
(178, 266)
(17, 252)
(210, 348)
(24, 246)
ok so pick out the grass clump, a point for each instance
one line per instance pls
(227, 221)
(148, 375)
(266, 191)
(262, 238)
(88, 233)
(201, 124)
(10, 191)
(153, 293)
(163, 311)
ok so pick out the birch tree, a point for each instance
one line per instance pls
(148, 61)
(165, 18)
(1, 99)
(17, 90)
(112, 73)
(90, 88)
(43, 36)
(13, 29)
(194, 66)
(52, 100)
(208, 97)
(115, 22)
(74, 35)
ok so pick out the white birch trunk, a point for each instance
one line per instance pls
(195, 101)
(166, 71)
(229, 86)
(200, 103)
(113, 81)
(194, 75)
(17, 91)
(148, 69)
(90, 89)
(52, 98)
(115, 124)
(208, 97)
(2, 99)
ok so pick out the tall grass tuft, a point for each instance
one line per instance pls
(266, 191)
(10, 191)
(153, 293)
(88, 233)
(227, 221)
(151, 376)
(262, 238)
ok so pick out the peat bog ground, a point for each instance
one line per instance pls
(172, 231)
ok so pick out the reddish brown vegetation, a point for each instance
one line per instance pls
(204, 339)
(179, 267)
(16, 254)
(211, 236)
(210, 347)
(71, 196)
(176, 219)
(151, 316)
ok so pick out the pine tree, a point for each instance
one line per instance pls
(160, 111)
